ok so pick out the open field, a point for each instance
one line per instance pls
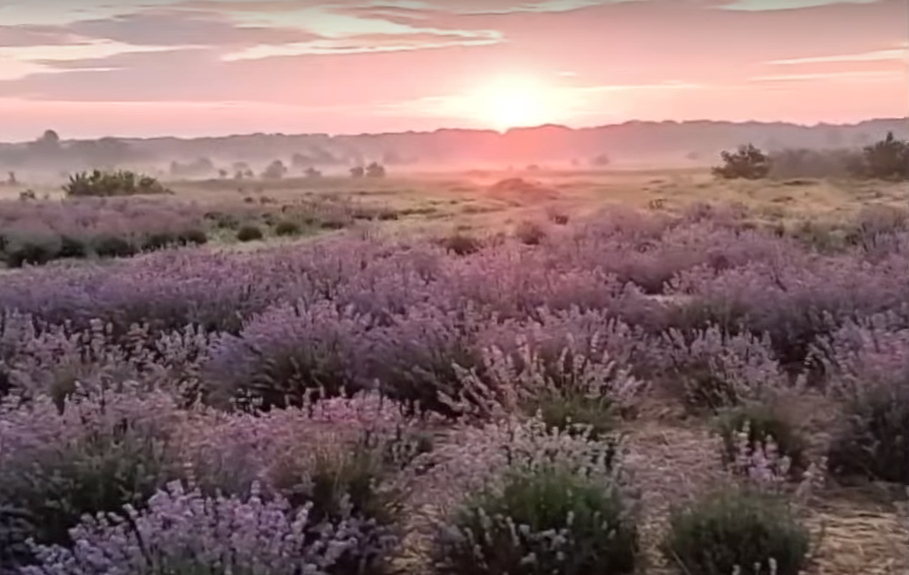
(604, 322)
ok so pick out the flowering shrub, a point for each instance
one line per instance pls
(339, 457)
(40, 231)
(184, 531)
(291, 353)
(873, 438)
(761, 427)
(737, 530)
(540, 521)
(868, 364)
(570, 392)
(713, 370)
(99, 453)
(422, 360)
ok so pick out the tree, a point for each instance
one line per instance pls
(275, 170)
(311, 172)
(49, 139)
(746, 162)
(375, 170)
(357, 172)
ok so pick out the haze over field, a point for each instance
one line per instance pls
(208, 67)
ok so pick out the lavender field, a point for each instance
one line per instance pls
(472, 384)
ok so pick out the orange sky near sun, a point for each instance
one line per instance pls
(212, 67)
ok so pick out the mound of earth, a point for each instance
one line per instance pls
(521, 189)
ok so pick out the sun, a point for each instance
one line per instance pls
(513, 102)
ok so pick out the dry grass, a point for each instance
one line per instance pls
(852, 535)
(475, 198)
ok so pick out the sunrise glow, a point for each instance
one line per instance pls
(515, 101)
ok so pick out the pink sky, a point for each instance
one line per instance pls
(210, 67)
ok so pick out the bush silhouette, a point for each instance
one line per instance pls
(275, 170)
(746, 162)
(249, 233)
(887, 159)
(119, 183)
(375, 170)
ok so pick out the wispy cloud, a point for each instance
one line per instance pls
(862, 75)
(874, 56)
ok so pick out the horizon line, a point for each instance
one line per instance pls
(474, 129)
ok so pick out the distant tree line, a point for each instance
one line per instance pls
(887, 159)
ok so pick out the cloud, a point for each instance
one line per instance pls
(873, 56)
(168, 27)
(21, 36)
(860, 75)
(399, 58)
(366, 43)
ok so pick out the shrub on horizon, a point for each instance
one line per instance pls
(118, 183)
(746, 162)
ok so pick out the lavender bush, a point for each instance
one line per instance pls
(540, 521)
(538, 343)
(765, 428)
(519, 497)
(711, 369)
(183, 531)
(868, 363)
(736, 530)
(97, 453)
(291, 353)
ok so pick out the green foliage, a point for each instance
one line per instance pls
(158, 240)
(746, 162)
(192, 237)
(112, 246)
(248, 233)
(118, 183)
(32, 250)
(873, 439)
(736, 528)
(543, 521)
(595, 416)
(707, 390)
(763, 423)
(73, 247)
(287, 228)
